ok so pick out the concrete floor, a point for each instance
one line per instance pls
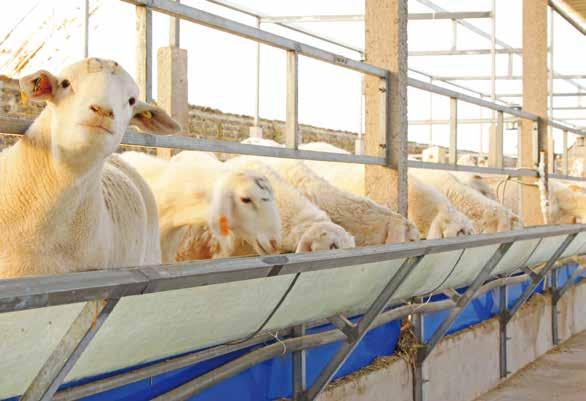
(559, 375)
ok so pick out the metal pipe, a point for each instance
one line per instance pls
(95, 387)
(561, 94)
(174, 31)
(504, 77)
(299, 366)
(85, 27)
(246, 31)
(75, 341)
(257, 82)
(567, 17)
(535, 282)
(363, 326)
(472, 28)
(292, 111)
(457, 52)
(360, 17)
(453, 153)
(503, 337)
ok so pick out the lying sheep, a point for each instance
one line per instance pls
(305, 228)
(488, 215)
(207, 211)
(68, 204)
(430, 210)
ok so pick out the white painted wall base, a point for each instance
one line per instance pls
(466, 365)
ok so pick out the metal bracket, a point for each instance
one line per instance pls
(299, 366)
(463, 300)
(345, 326)
(362, 328)
(452, 294)
(535, 281)
(69, 350)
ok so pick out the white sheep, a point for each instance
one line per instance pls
(431, 211)
(66, 203)
(567, 202)
(477, 182)
(488, 215)
(305, 228)
(369, 222)
(208, 211)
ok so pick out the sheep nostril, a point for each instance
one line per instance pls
(102, 111)
(274, 244)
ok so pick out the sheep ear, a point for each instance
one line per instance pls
(221, 218)
(575, 188)
(303, 246)
(38, 86)
(153, 119)
(436, 228)
(394, 235)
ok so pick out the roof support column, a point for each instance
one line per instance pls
(386, 47)
(535, 82)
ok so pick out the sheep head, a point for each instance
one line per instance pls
(91, 104)
(323, 236)
(243, 207)
(448, 224)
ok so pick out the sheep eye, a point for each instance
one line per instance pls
(65, 83)
(245, 200)
(131, 101)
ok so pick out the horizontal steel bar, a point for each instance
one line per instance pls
(304, 31)
(197, 16)
(451, 15)
(360, 17)
(313, 18)
(415, 83)
(564, 127)
(570, 108)
(15, 126)
(560, 94)
(504, 77)
(119, 380)
(470, 52)
(524, 172)
(37, 292)
(461, 121)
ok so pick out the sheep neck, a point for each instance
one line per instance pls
(40, 195)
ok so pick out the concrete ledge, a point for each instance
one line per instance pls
(465, 365)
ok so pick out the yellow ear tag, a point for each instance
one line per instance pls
(147, 114)
(224, 226)
(24, 98)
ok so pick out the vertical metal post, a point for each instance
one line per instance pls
(69, 350)
(454, 34)
(362, 327)
(495, 152)
(418, 378)
(292, 123)
(174, 31)
(385, 116)
(555, 333)
(257, 81)
(550, 142)
(503, 337)
(85, 26)
(453, 153)
(299, 367)
(430, 115)
(565, 160)
(144, 53)
(492, 71)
